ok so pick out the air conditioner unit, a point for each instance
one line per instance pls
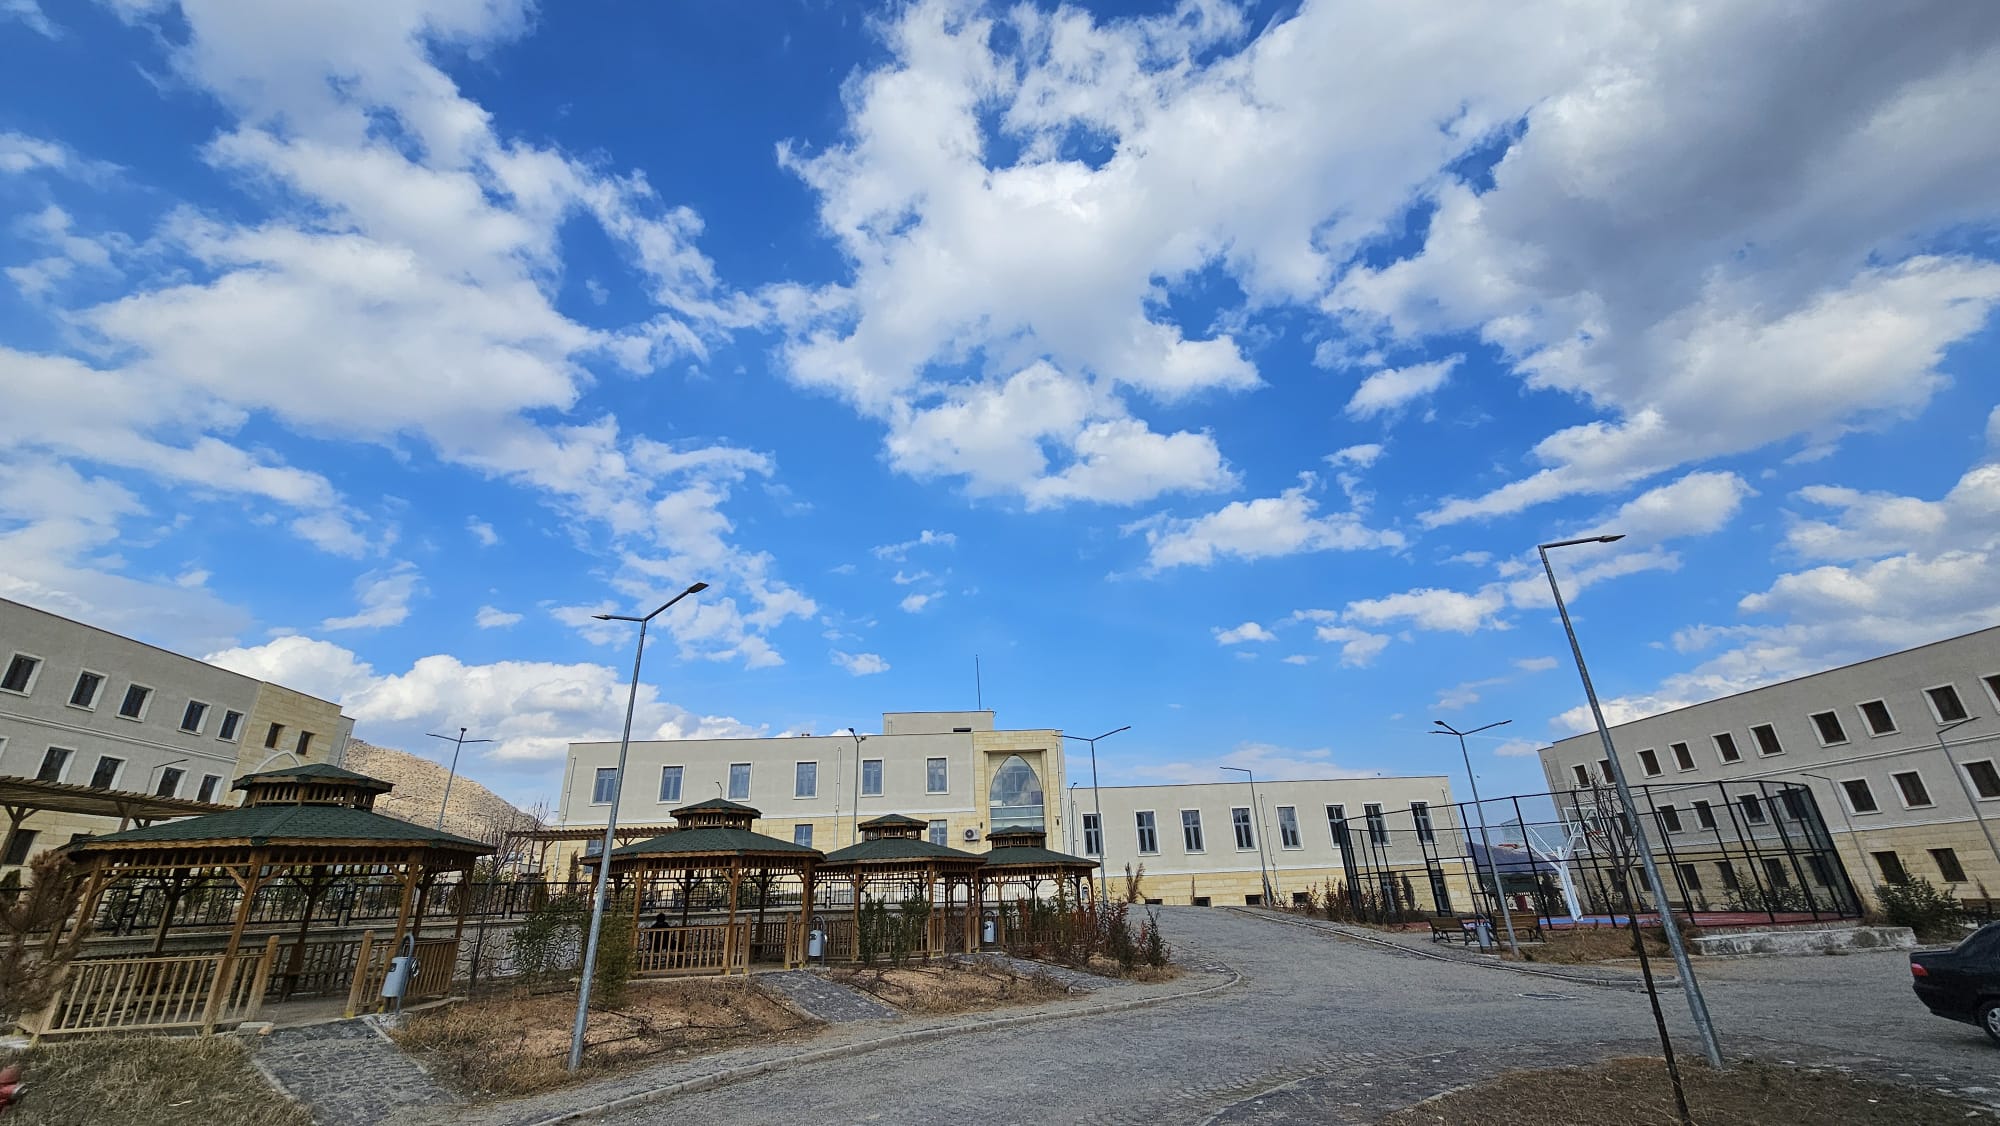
(972, 834)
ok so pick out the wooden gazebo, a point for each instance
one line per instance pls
(1019, 861)
(704, 897)
(301, 831)
(894, 863)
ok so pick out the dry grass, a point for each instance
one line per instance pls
(1635, 1092)
(951, 987)
(1583, 945)
(155, 1080)
(517, 1045)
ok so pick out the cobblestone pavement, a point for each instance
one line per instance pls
(349, 1073)
(1328, 1029)
(829, 1001)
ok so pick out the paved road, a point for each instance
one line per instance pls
(1328, 1030)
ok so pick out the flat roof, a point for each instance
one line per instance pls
(1274, 781)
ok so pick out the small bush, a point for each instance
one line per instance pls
(615, 956)
(1923, 907)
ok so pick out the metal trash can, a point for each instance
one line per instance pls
(990, 934)
(816, 944)
(396, 982)
(1484, 930)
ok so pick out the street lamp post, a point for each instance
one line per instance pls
(1257, 824)
(458, 743)
(1971, 798)
(611, 826)
(855, 837)
(1485, 844)
(1697, 1004)
(1103, 838)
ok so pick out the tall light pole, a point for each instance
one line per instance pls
(1103, 838)
(1257, 825)
(1697, 1004)
(611, 827)
(1485, 844)
(856, 836)
(458, 743)
(1970, 797)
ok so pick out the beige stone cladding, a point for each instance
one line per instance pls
(1193, 850)
(937, 766)
(287, 728)
(1864, 738)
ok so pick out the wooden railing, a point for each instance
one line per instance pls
(326, 969)
(196, 991)
(437, 961)
(699, 948)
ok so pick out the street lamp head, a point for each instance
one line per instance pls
(1439, 723)
(602, 617)
(1611, 539)
(697, 588)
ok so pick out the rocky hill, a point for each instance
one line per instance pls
(475, 812)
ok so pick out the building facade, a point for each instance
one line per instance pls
(1901, 754)
(1213, 844)
(84, 706)
(953, 770)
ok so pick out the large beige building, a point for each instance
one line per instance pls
(1901, 753)
(87, 707)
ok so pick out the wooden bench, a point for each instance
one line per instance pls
(1465, 929)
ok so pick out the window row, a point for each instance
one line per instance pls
(1243, 829)
(805, 780)
(24, 671)
(1891, 866)
(1778, 873)
(1873, 716)
(109, 770)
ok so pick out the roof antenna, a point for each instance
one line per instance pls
(978, 691)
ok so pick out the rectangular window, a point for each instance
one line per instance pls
(1910, 784)
(1795, 803)
(1822, 872)
(230, 722)
(191, 719)
(1191, 840)
(1985, 779)
(1288, 827)
(1336, 823)
(1875, 714)
(1767, 740)
(134, 704)
(209, 784)
(1378, 829)
(1948, 865)
(1992, 684)
(1945, 704)
(805, 780)
(1725, 747)
(1775, 874)
(1239, 819)
(1149, 833)
(1704, 815)
(871, 778)
(20, 674)
(1420, 813)
(936, 778)
(170, 782)
(1753, 810)
(19, 848)
(1671, 818)
(1093, 835)
(1683, 757)
(1827, 726)
(1690, 879)
(739, 781)
(670, 783)
(271, 736)
(1604, 770)
(802, 835)
(941, 833)
(54, 761)
(1891, 867)
(106, 772)
(605, 786)
(84, 695)
(1582, 773)
(305, 743)
(1649, 761)
(1860, 798)
(1727, 871)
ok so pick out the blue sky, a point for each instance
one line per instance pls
(1212, 369)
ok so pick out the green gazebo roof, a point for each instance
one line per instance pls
(898, 850)
(1034, 856)
(717, 805)
(711, 841)
(313, 772)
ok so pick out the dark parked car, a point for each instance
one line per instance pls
(1963, 983)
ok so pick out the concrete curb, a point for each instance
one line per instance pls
(741, 1072)
(1338, 931)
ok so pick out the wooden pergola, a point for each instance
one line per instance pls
(1020, 859)
(893, 862)
(692, 890)
(586, 833)
(22, 798)
(306, 828)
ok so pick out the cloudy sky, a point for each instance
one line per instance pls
(1208, 368)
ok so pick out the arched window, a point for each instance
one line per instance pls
(1016, 796)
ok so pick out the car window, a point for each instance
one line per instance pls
(1982, 942)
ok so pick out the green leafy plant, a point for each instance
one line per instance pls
(1932, 912)
(548, 942)
(615, 956)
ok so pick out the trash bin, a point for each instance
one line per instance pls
(816, 944)
(991, 933)
(1484, 929)
(396, 982)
